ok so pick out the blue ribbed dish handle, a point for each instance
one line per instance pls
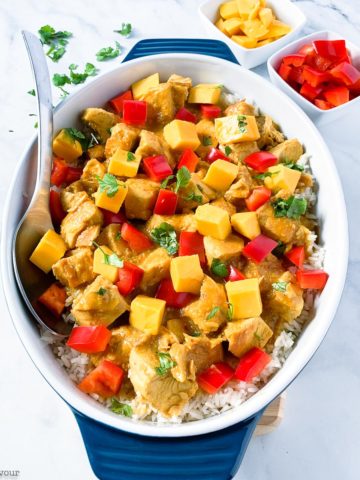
(118, 455)
(212, 48)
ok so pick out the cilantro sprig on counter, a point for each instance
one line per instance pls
(74, 77)
(108, 53)
(57, 41)
(125, 30)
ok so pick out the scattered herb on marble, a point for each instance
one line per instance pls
(107, 53)
(32, 92)
(125, 30)
(57, 41)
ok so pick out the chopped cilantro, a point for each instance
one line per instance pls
(166, 364)
(293, 166)
(280, 286)
(242, 123)
(206, 141)
(101, 291)
(112, 259)
(193, 197)
(212, 313)
(165, 236)
(125, 30)
(32, 92)
(230, 311)
(57, 41)
(227, 150)
(293, 207)
(183, 177)
(279, 250)
(36, 125)
(76, 78)
(130, 157)
(118, 235)
(262, 176)
(108, 53)
(108, 184)
(76, 134)
(59, 79)
(219, 268)
(121, 408)
(166, 180)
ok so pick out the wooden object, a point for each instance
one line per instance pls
(272, 416)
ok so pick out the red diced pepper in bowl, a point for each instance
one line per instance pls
(188, 159)
(166, 202)
(104, 380)
(172, 298)
(257, 198)
(337, 95)
(261, 161)
(89, 339)
(215, 377)
(315, 279)
(134, 112)
(295, 59)
(210, 111)
(130, 276)
(117, 103)
(251, 364)
(259, 248)
(185, 115)
(157, 167)
(347, 73)
(333, 49)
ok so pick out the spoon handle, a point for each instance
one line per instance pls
(45, 119)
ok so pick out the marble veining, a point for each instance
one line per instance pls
(319, 436)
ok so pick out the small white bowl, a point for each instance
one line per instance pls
(317, 114)
(285, 11)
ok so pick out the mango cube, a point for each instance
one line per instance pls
(276, 29)
(221, 175)
(205, 93)
(66, 146)
(245, 41)
(232, 26)
(282, 178)
(101, 267)
(236, 128)
(186, 274)
(229, 10)
(124, 163)
(254, 29)
(141, 87)
(146, 314)
(180, 135)
(245, 297)
(245, 7)
(246, 223)
(220, 25)
(266, 16)
(212, 221)
(48, 251)
(112, 203)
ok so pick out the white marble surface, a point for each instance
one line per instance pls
(319, 437)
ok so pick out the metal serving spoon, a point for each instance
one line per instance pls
(32, 281)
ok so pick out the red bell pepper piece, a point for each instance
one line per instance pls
(259, 248)
(192, 243)
(296, 256)
(257, 198)
(210, 111)
(320, 63)
(185, 114)
(117, 103)
(355, 89)
(157, 167)
(216, 154)
(104, 380)
(59, 172)
(284, 71)
(346, 73)
(73, 174)
(137, 240)
(130, 276)
(134, 112)
(333, 49)
(306, 49)
(54, 299)
(166, 202)
(309, 92)
(56, 211)
(296, 75)
(252, 364)
(323, 104)
(173, 299)
(234, 274)
(315, 279)
(110, 217)
(215, 377)
(260, 161)
(188, 159)
(314, 77)
(337, 95)
(93, 339)
(295, 59)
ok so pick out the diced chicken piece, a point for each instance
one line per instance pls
(97, 151)
(177, 327)
(92, 170)
(222, 203)
(163, 392)
(76, 269)
(73, 195)
(288, 151)
(239, 151)
(87, 236)
(122, 136)
(306, 181)
(245, 334)
(240, 189)
(93, 308)
(223, 249)
(195, 355)
(153, 144)
(110, 236)
(212, 295)
(268, 271)
(240, 108)
(78, 219)
(306, 237)
(175, 79)
(182, 222)
(269, 132)
(282, 229)
(180, 86)
(100, 121)
(206, 133)
(160, 103)
(197, 189)
(156, 265)
(141, 198)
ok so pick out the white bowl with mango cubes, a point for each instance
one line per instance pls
(285, 12)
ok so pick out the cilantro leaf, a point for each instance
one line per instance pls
(242, 123)
(126, 29)
(166, 364)
(76, 78)
(280, 286)
(108, 53)
(76, 134)
(293, 207)
(112, 259)
(193, 197)
(59, 80)
(57, 41)
(230, 311)
(32, 92)
(212, 313)
(165, 236)
(166, 180)
(262, 176)
(227, 150)
(293, 166)
(206, 141)
(121, 408)
(101, 291)
(130, 157)
(219, 268)
(183, 177)
(108, 184)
